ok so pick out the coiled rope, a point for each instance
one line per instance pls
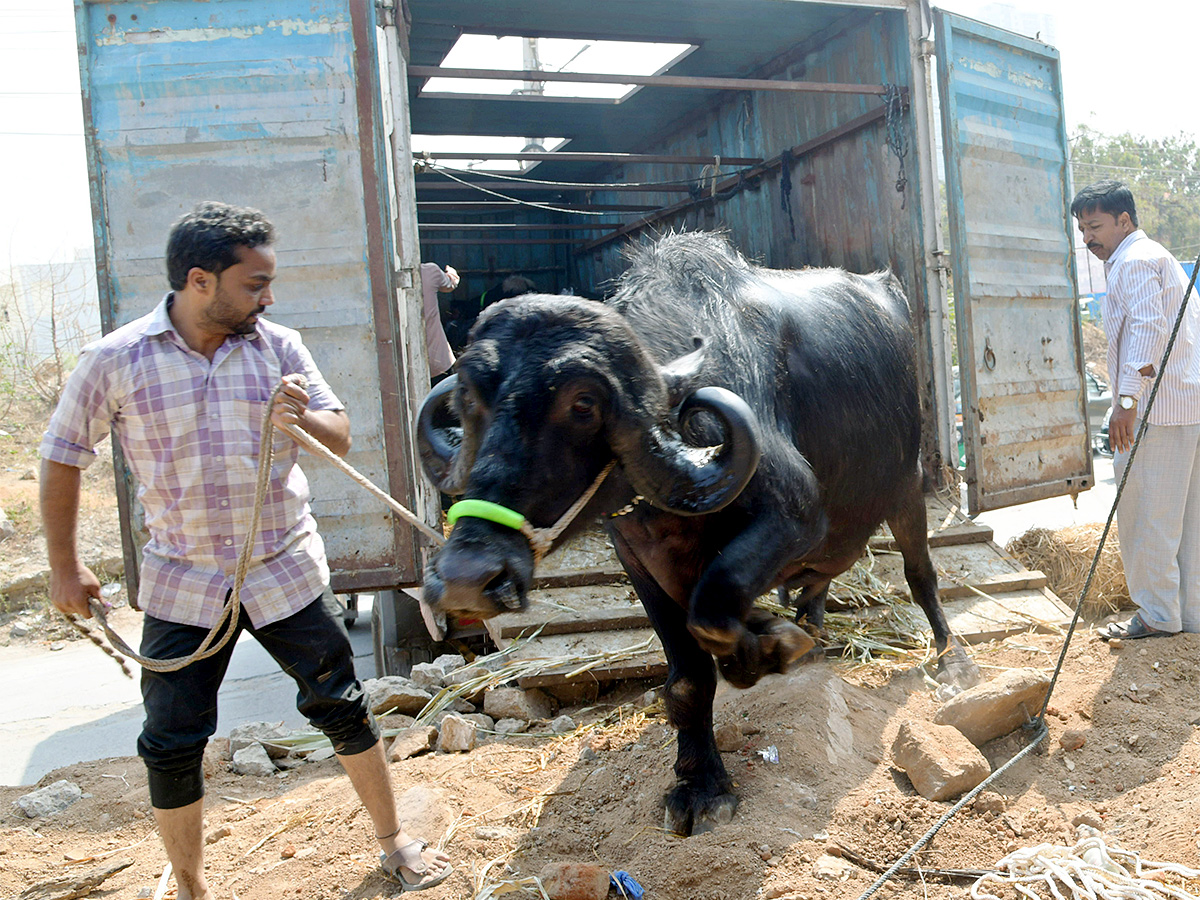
(227, 622)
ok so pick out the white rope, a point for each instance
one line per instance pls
(541, 539)
(315, 447)
(1091, 869)
(231, 611)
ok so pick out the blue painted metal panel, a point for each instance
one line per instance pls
(272, 104)
(1020, 347)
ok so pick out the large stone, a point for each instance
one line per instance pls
(427, 676)
(938, 759)
(448, 662)
(7, 528)
(51, 799)
(574, 881)
(395, 694)
(412, 742)
(253, 760)
(262, 733)
(997, 707)
(514, 703)
(456, 735)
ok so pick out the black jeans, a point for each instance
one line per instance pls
(311, 646)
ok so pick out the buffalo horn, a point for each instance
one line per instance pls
(440, 445)
(683, 478)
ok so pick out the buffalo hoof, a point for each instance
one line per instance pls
(692, 812)
(957, 669)
(719, 640)
(782, 643)
(770, 644)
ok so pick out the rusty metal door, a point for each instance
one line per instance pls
(1020, 355)
(276, 105)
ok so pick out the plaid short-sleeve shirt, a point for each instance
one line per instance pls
(189, 429)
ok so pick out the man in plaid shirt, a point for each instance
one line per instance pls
(184, 389)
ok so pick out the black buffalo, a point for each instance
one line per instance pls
(763, 424)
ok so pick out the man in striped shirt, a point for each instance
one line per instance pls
(1159, 515)
(184, 389)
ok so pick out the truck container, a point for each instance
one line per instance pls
(806, 130)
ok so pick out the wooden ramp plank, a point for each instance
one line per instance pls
(962, 570)
(976, 619)
(568, 610)
(629, 653)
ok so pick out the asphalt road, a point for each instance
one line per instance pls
(74, 704)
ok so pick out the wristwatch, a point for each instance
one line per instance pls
(1128, 402)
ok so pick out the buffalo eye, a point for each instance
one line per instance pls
(584, 408)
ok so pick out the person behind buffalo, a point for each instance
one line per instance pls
(434, 279)
(1159, 515)
(184, 389)
(463, 315)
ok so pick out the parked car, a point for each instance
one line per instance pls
(1100, 443)
(1099, 404)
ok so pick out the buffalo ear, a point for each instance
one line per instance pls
(682, 375)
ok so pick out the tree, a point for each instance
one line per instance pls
(1163, 173)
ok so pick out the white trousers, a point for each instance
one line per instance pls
(1158, 522)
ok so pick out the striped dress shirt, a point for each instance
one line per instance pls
(189, 429)
(1146, 285)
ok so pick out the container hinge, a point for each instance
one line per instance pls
(385, 13)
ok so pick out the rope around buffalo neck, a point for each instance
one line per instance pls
(540, 539)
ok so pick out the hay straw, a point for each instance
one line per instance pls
(1065, 556)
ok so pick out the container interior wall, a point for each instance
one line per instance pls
(838, 204)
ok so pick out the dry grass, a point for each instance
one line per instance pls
(1066, 556)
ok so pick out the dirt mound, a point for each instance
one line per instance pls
(511, 806)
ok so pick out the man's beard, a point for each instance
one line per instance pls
(221, 314)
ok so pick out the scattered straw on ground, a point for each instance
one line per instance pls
(1065, 556)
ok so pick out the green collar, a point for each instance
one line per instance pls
(485, 509)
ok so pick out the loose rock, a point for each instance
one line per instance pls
(511, 726)
(729, 738)
(413, 742)
(514, 703)
(253, 760)
(427, 675)
(562, 725)
(262, 733)
(1072, 740)
(939, 761)
(997, 707)
(456, 735)
(394, 694)
(574, 881)
(49, 800)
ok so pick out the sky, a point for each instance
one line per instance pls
(1126, 67)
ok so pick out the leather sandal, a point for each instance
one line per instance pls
(1133, 630)
(405, 861)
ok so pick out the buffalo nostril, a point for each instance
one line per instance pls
(506, 595)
